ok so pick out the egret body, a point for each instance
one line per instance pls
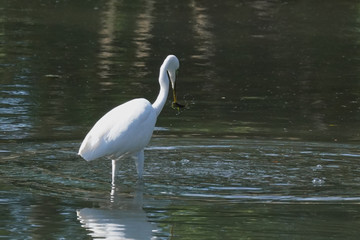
(127, 129)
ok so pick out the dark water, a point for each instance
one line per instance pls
(268, 147)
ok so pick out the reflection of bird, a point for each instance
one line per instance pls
(127, 128)
(123, 219)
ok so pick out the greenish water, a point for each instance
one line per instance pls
(267, 148)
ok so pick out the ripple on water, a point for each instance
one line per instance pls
(245, 184)
(249, 170)
(241, 170)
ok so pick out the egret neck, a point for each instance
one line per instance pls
(164, 90)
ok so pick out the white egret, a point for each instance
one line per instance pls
(127, 129)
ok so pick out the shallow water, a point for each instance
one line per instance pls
(267, 147)
(236, 188)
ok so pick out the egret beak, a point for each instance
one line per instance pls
(175, 104)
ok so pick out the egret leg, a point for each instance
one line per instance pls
(139, 162)
(115, 169)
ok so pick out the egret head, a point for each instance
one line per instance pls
(172, 64)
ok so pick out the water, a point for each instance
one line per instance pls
(242, 188)
(267, 148)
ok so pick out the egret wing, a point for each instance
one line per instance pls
(126, 128)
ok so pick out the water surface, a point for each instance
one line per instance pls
(267, 148)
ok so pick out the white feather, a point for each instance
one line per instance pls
(125, 129)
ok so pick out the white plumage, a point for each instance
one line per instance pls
(116, 127)
(127, 129)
